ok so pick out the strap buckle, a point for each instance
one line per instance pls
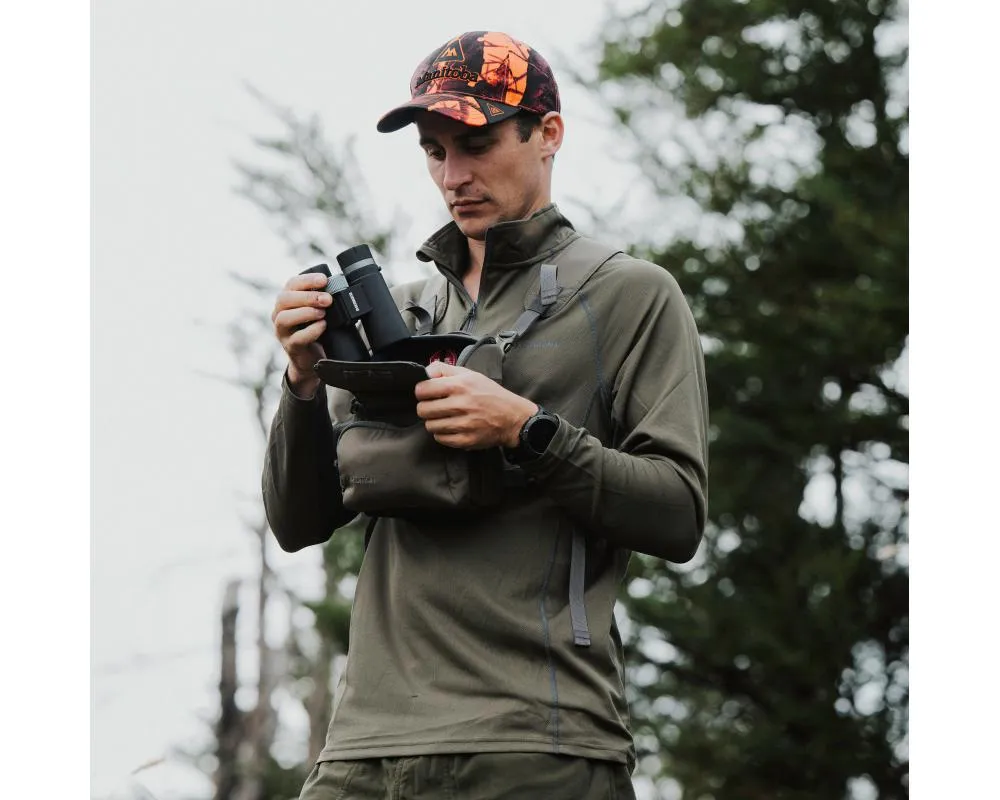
(506, 339)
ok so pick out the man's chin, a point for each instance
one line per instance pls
(474, 228)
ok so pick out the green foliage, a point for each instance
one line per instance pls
(342, 556)
(775, 665)
(283, 783)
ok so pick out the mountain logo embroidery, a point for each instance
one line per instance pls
(451, 52)
(494, 111)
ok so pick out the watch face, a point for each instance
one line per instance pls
(540, 432)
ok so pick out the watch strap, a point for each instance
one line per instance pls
(525, 450)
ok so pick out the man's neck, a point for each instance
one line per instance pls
(474, 271)
(477, 255)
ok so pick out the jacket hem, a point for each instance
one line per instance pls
(458, 746)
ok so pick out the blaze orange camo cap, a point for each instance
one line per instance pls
(478, 78)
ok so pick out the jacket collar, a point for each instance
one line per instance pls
(510, 245)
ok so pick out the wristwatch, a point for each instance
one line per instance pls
(535, 436)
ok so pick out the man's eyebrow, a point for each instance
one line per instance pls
(462, 138)
(477, 133)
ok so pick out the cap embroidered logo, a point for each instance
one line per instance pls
(451, 52)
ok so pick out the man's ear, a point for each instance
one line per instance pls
(552, 130)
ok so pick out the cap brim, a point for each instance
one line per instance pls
(460, 107)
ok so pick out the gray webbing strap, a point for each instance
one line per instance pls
(577, 586)
(548, 293)
(548, 289)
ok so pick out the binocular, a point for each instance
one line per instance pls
(359, 293)
(382, 373)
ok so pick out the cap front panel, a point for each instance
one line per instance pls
(480, 77)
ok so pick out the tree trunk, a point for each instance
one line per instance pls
(229, 730)
(262, 721)
(320, 702)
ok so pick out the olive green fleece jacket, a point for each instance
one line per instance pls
(461, 638)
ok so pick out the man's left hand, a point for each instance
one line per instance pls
(466, 410)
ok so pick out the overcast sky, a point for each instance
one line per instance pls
(173, 451)
(168, 114)
(176, 457)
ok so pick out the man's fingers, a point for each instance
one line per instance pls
(285, 322)
(311, 280)
(453, 429)
(445, 380)
(456, 442)
(440, 369)
(434, 388)
(304, 336)
(460, 441)
(436, 409)
(300, 299)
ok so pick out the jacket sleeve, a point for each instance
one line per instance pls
(650, 493)
(302, 497)
(301, 486)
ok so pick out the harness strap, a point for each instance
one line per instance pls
(548, 289)
(577, 587)
(548, 293)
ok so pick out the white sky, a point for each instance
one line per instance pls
(173, 452)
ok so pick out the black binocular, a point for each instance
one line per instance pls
(381, 374)
(359, 293)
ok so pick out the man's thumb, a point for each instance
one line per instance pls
(439, 369)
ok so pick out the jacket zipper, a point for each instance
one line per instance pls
(470, 319)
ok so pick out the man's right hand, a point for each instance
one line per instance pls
(299, 320)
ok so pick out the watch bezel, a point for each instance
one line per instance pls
(532, 424)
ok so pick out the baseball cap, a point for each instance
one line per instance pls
(478, 78)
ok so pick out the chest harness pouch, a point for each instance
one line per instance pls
(389, 465)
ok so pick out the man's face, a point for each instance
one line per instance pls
(485, 174)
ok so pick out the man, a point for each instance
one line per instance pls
(485, 660)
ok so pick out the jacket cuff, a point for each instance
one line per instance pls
(559, 447)
(294, 399)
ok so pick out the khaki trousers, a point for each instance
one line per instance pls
(481, 776)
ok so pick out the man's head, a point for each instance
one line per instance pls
(487, 110)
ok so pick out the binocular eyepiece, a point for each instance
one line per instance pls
(360, 294)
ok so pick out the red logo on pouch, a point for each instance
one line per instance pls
(447, 356)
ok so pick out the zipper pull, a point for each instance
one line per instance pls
(469, 319)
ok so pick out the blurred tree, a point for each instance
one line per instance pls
(315, 195)
(775, 665)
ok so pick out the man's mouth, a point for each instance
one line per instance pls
(459, 205)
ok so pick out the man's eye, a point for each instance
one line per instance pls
(477, 147)
(437, 155)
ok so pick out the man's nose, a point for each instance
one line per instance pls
(456, 172)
